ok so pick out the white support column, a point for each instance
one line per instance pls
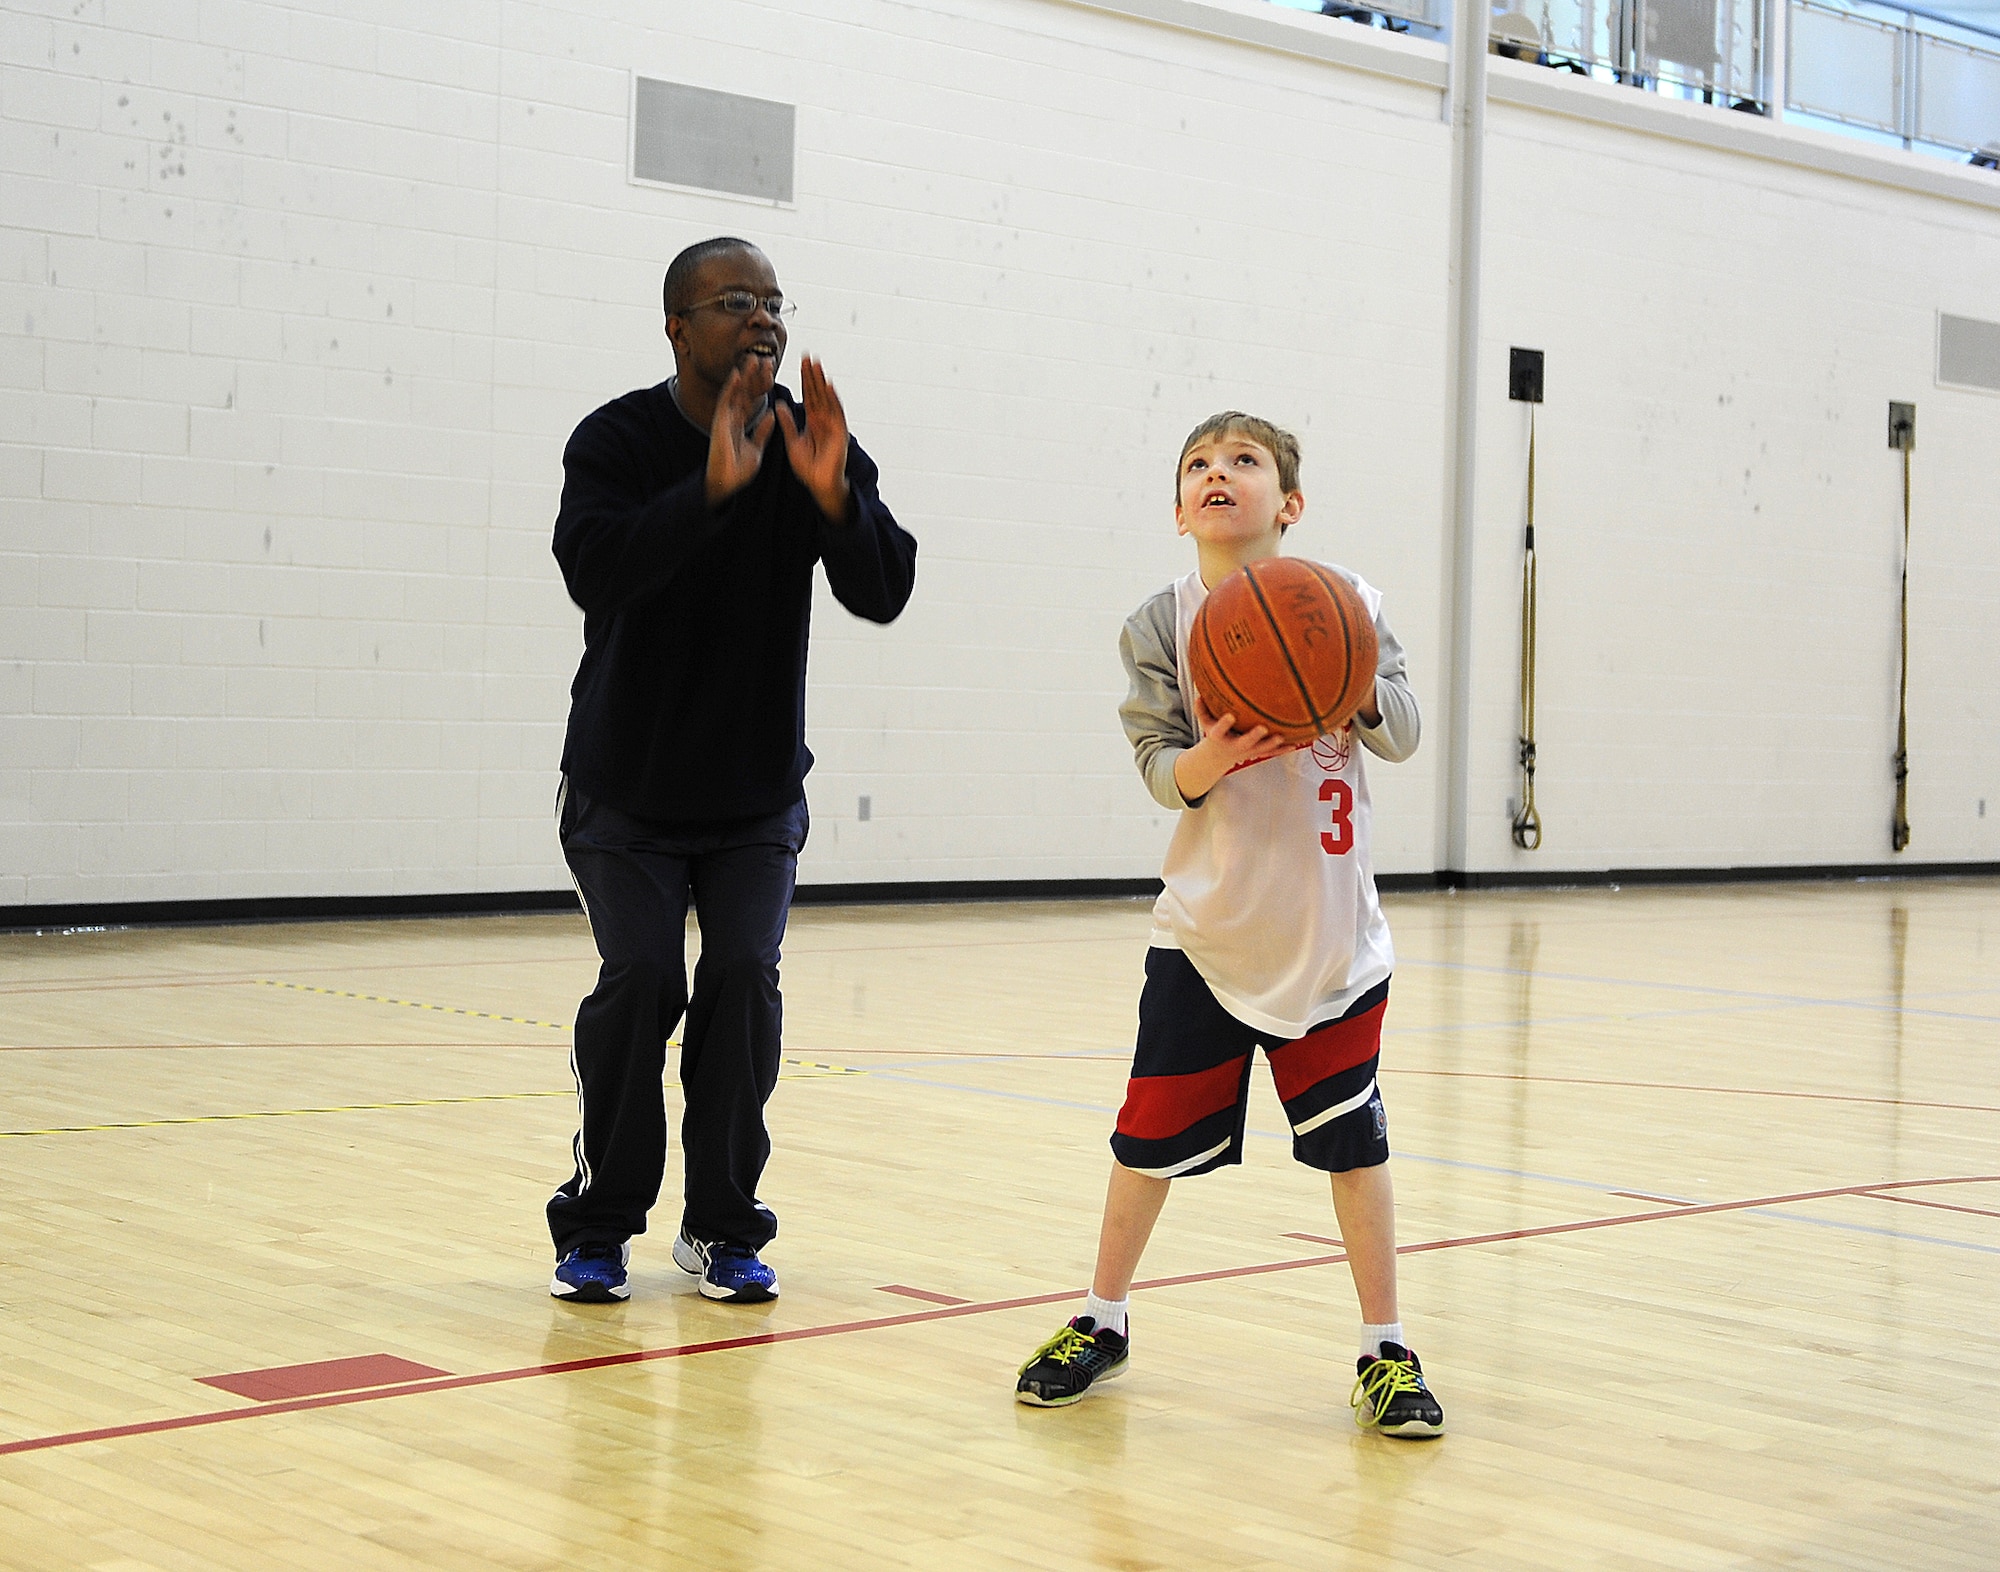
(1466, 106)
(1777, 57)
(1908, 67)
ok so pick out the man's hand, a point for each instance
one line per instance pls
(1222, 748)
(735, 446)
(818, 451)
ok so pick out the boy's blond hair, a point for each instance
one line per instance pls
(1275, 440)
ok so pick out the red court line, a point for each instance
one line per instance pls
(1683, 1086)
(1910, 1200)
(919, 1317)
(921, 1293)
(1640, 1195)
(495, 1377)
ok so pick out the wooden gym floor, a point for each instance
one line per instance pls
(1699, 1197)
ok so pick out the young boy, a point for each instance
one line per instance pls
(1267, 933)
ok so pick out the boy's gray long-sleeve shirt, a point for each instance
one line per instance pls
(1160, 728)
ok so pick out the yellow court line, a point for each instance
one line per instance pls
(814, 1072)
(281, 1113)
(517, 1020)
(413, 1004)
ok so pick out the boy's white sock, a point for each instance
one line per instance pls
(1373, 1337)
(1108, 1313)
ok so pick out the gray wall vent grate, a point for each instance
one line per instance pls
(694, 136)
(1968, 352)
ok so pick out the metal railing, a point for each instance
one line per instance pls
(1713, 48)
(1927, 79)
(1429, 18)
(1892, 77)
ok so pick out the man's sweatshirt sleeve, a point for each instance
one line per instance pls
(870, 559)
(615, 544)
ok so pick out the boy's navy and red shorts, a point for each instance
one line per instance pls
(1185, 1105)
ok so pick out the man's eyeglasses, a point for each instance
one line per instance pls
(741, 303)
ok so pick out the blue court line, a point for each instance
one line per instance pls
(1864, 1228)
(1721, 993)
(1441, 1028)
(1451, 1162)
(1746, 1008)
(1111, 1112)
(1597, 1018)
(1524, 1173)
(992, 1091)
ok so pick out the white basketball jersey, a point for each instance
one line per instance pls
(1270, 890)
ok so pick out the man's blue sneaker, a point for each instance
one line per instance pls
(592, 1274)
(727, 1271)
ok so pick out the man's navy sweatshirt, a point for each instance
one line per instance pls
(690, 703)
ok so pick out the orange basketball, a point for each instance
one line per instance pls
(1284, 643)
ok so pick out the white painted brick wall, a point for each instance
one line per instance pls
(299, 303)
(1719, 512)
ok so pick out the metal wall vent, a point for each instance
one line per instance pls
(694, 136)
(1968, 352)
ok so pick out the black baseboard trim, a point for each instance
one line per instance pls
(519, 903)
(281, 908)
(925, 892)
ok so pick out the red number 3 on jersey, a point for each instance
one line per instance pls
(1340, 838)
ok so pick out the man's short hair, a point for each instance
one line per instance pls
(1278, 442)
(677, 292)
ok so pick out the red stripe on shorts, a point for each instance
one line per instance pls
(1299, 1066)
(1160, 1106)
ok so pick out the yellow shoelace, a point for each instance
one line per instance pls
(1064, 1348)
(1378, 1383)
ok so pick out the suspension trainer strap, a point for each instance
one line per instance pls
(1899, 832)
(1527, 822)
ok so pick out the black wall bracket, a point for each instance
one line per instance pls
(1524, 376)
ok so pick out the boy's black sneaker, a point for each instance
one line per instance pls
(1390, 1396)
(1064, 1368)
